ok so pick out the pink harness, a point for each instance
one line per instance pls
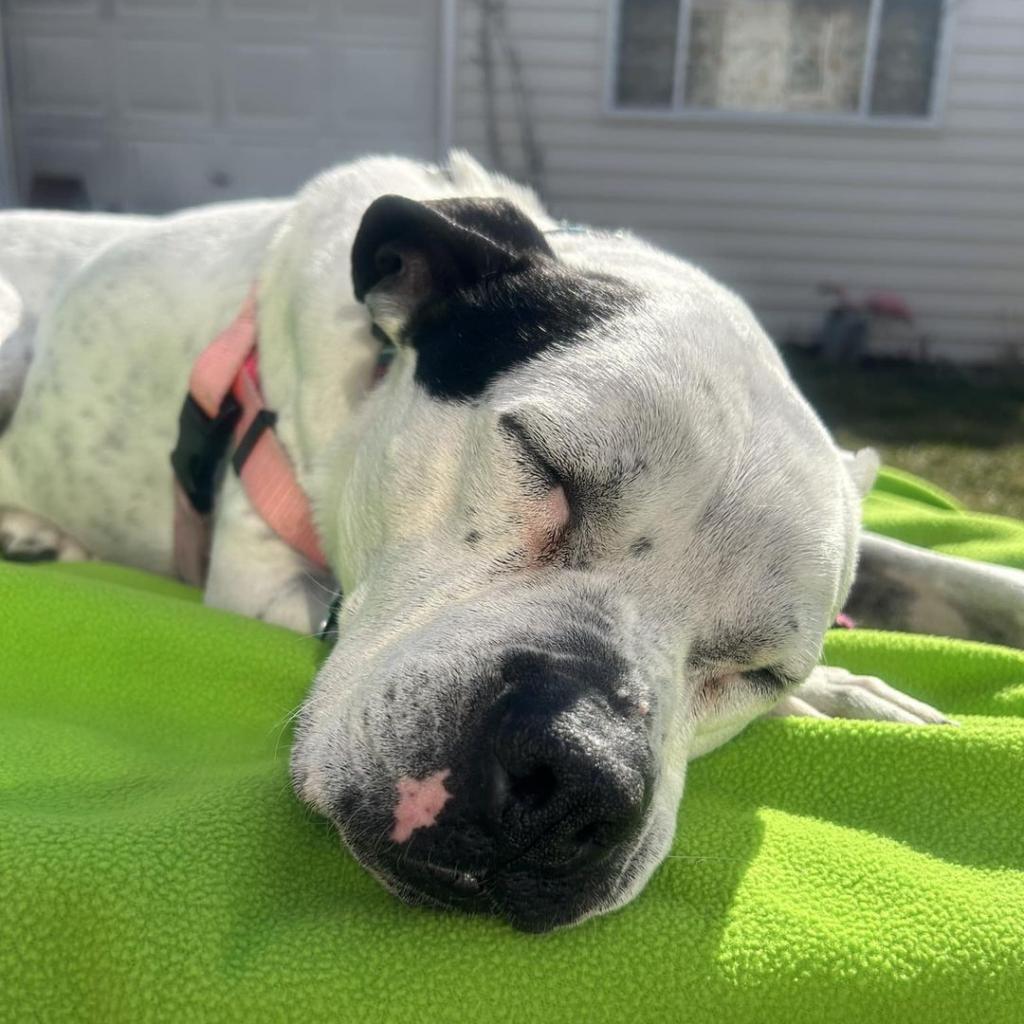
(225, 409)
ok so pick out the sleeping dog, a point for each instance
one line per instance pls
(585, 526)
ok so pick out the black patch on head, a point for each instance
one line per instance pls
(477, 334)
(473, 537)
(476, 288)
(641, 546)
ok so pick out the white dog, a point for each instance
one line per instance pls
(585, 527)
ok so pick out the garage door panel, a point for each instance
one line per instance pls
(272, 84)
(304, 10)
(383, 19)
(59, 7)
(413, 141)
(168, 175)
(380, 82)
(256, 170)
(192, 100)
(177, 9)
(165, 79)
(58, 74)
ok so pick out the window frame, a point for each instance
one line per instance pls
(862, 117)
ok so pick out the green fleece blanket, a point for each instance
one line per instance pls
(154, 864)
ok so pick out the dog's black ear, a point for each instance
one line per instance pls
(407, 253)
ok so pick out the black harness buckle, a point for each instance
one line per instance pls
(263, 420)
(202, 444)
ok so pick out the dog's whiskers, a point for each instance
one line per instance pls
(331, 592)
(289, 719)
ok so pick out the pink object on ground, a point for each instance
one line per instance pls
(419, 803)
(843, 621)
(889, 304)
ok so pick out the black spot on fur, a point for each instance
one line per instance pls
(473, 537)
(477, 334)
(641, 546)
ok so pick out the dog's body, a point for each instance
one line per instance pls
(586, 473)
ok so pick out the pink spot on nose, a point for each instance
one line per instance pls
(419, 803)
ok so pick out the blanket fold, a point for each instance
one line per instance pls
(154, 864)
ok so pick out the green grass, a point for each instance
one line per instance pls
(961, 429)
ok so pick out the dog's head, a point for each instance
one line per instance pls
(584, 526)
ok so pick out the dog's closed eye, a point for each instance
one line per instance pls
(548, 509)
(530, 455)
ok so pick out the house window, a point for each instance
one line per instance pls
(834, 58)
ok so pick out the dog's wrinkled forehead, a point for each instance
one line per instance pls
(474, 287)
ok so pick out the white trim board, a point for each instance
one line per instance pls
(8, 180)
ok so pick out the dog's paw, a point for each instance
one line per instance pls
(25, 537)
(835, 693)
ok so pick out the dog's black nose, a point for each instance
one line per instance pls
(569, 778)
(543, 800)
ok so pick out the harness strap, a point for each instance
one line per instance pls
(224, 405)
(266, 472)
(219, 364)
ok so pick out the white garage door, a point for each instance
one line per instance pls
(156, 104)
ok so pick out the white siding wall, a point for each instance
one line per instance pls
(935, 214)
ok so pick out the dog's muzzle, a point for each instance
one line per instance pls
(540, 804)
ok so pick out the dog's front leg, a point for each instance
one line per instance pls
(830, 692)
(899, 586)
(255, 573)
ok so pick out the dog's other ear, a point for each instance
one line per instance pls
(862, 468)
(407, 253)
